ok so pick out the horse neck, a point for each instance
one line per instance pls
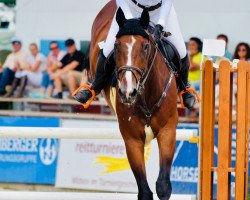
(156, 81)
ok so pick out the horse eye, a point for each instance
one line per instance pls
(116, 45)
(146, 47)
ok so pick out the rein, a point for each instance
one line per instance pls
(142, 81)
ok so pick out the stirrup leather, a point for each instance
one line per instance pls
(192, 90)
(87, 87)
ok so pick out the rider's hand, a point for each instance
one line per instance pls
(158, 32)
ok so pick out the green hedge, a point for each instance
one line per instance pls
(3, 55)
(8, 2)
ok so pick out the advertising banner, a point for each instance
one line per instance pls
(28, 160)
(102, 165)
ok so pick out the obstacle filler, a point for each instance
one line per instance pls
(79, 133)
(224, 167)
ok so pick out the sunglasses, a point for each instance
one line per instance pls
(53, 48)
(243, 50)
(16, 42)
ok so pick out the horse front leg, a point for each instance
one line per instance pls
(166, 141)
(135, 153)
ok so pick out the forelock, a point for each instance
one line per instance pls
(132, 27)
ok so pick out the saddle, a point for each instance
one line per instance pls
(168, 51)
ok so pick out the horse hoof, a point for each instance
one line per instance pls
(163, 189)
(145, 196)
(165, 198)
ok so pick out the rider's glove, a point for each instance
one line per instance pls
(158, 32)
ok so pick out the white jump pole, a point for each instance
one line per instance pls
(78, 133)
(6, 195)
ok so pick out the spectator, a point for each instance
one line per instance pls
(242, 52)
(31, 75)
(54, 58)
(16, 60)
(227, 55)
(70, 73)
(195, 48)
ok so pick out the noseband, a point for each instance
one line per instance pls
(132, 69)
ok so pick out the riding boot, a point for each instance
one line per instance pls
(14, 86)
(183, 84)
(101, 77)
(23, 83)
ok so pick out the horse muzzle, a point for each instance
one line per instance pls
(128, 98)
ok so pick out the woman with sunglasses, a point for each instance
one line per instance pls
(242, 52)
(54, 57)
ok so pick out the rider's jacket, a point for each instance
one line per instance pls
(165, 7)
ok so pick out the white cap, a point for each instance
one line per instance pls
(16, 39)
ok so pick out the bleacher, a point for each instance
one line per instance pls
(65, 108)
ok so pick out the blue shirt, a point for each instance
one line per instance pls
(227, 55)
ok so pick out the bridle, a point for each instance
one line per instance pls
(144, 75)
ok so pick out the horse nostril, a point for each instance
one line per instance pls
(133, 94)
(120, 93)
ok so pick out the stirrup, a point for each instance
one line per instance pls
(192, 90)
(88, 87)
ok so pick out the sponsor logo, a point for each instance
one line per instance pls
(48, 151)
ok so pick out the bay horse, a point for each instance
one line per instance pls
(146, 104)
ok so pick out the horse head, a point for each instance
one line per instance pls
(132, 53)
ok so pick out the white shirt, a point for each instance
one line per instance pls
(148, 2)
(164, 10)
(18, 58)
(55, 59)
(39, 57)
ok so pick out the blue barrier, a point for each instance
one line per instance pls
(185, 171)
(28, 160)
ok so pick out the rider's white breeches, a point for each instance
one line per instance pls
(171, 25)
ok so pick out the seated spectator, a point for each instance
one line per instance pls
(195, 48)
(71, 71)
(31, 75)
(228, 55)
(17, 59)
(242, 52)
(54, 58)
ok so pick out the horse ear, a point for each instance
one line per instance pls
(144, 20)
(120, 17)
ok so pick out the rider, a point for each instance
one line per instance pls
(162, 13)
